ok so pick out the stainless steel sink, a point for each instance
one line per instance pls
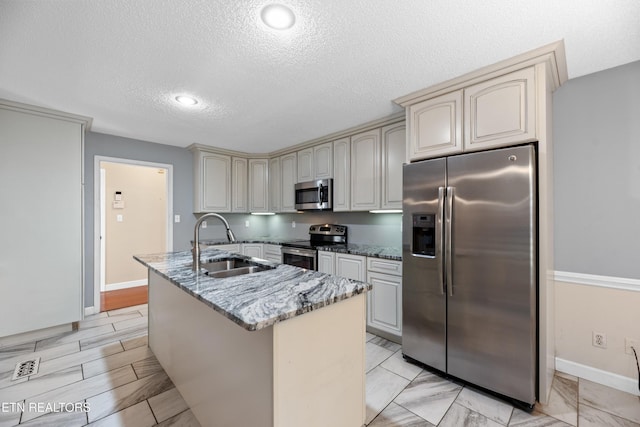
(236, 271)
(232, 267)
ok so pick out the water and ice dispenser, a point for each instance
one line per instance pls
(424, 234)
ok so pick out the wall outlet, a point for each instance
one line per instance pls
(599, 339)
(630, 342)
(204, 224)
(176, 218)
(293, 224)
(246, 223)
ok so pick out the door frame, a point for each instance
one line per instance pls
(98, 257)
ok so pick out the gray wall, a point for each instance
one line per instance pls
(97, 144)
(596, 136)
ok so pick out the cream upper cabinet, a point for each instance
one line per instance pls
(275, 184)
(305, 165)
(435, 126)
(288, 175)
(239, 184)
(500, 111)
(315, 162)
(365, 171)
(393, 156)
(258, 185)
(213, 182)
(323, 161)
(342, 175)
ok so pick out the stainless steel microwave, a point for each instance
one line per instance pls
(314, 195)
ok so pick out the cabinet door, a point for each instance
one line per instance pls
(233, 247)
(258, 185)
(214, 179)
(342, 175)
(350, 266)
(365, 171)
(384, 308)
(393, 156)
(275, 183)
(326, 262)
(288, 175)
(435, 126)
(500, 111)
(323, 161)
(252, 249)
(305, 165)
(239, 184)
(272, 252)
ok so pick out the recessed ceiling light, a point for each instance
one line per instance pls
(278, 17)
(186, 100)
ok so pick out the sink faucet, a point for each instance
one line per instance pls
(196, 237)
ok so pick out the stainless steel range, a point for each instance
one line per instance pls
(304, 253)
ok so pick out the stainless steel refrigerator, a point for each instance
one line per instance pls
(470, 268)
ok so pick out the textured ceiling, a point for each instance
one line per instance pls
(123, 62)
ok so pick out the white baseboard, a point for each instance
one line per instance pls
(125, 285)
(619, 382)
(595, 280)
(37, 335)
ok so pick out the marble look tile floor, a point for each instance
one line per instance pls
(400, 394)
(106, 366)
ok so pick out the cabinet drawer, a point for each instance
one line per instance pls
(386, 266)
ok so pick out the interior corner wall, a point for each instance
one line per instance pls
(97, 144)
(596, 137)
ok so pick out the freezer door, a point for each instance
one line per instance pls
(492, 276)
(423, 296)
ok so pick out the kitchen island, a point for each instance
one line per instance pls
(279, 347)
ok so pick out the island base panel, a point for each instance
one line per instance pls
(308, 370)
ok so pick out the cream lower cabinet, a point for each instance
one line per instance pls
(252, 249)
(272, 252)
(326, 262)
(384, 301)
(351, 266)
(232, 247)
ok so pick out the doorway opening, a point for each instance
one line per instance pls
(132, 216)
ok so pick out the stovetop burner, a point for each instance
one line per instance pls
(322, 235)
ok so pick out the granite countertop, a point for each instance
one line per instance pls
(258, 300)
(376, 251)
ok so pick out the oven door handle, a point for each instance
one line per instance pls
(296, 251)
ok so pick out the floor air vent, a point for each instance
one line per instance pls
(26, 368)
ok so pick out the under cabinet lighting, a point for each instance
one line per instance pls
(278, 17)
(263, 213)
(376, 211)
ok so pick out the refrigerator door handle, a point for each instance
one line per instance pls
(440, 241)
(449, 239)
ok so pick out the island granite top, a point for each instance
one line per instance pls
(258, 300)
